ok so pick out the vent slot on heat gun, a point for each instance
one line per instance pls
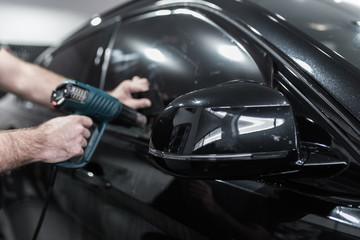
(79, 94)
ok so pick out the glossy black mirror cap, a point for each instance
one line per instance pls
(239, 129)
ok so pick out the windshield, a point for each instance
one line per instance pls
(334, 23)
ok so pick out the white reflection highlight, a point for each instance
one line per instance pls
(154, 54)
(162, 12)
(255, 31)
(219, 114)
(195, 101)
(189, 12)
(320, 27)
(209, 138)
(96, 21)
(247, 124)
(281, 17)
(357, 23)
(310, 120)
(352, 2)
(272, 18)
(231, 52)
(349, 217)
(304, 65)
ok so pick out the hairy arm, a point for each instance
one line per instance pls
(56, 140)
(15, 149)
(35, 83)
(27, 80)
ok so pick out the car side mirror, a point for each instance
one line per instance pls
(235, 130)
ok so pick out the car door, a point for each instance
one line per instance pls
(189, 48)
(120, 194)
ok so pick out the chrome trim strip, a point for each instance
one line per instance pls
(216, 157)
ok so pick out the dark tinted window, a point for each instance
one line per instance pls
(81, 59)
(178, 51)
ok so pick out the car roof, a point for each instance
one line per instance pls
(334, 23)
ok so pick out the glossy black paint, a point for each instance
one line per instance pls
(121, 195)
(225, 132)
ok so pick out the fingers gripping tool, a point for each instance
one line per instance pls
(73, 97)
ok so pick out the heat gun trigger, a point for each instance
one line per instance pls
(72, 97)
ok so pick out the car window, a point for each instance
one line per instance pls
(80, 59)
(179, 50)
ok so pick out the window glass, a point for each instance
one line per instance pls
(81, 59)
(178, 53)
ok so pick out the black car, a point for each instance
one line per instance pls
(254, 130)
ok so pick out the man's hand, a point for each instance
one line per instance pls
(124, 90)
(56, 140)
(62, 138)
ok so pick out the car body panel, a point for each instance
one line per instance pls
(121, 194)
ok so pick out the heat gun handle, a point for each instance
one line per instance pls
(89, 150)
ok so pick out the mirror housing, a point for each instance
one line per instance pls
(235, 130)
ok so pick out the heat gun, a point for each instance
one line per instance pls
(72, 97)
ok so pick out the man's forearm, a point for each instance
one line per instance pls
(56, 140)
(18, 147)
(27, 80)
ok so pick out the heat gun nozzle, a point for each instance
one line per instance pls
(129, 117)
